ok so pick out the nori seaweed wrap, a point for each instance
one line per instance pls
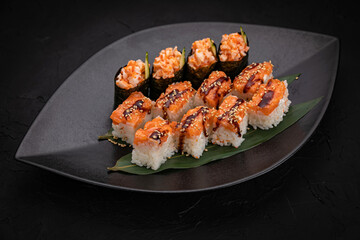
(234, 57)
(131, 78)
(201, 61)
(167, 68)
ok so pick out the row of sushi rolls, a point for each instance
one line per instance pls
(185, 102)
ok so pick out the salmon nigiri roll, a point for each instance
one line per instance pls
(269, 104)
(213, 90)
(248, 81)
(194, 130)
(230, 122)
(155, 143)
(131, 115)
(175, 101)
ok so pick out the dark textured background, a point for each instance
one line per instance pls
(314, 195)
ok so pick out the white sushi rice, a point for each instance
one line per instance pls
(262, 121)
(153, 155)
(127, 131)
(198, 100)
(226, 137)
(175, 116)
(268, 77)
(195, 146)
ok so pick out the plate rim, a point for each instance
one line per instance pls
(22, 158)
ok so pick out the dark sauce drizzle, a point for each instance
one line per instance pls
(266, 99)
(188, 121)
(251, 81)
(136, 106)
(269, 83)
(230, 113)
(248, 68)
(156, 135)
(205, 90)
(170, 99)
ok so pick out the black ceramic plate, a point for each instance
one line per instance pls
(63, 138)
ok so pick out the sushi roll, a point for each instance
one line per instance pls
(175, 101)
(201, 61)
(131, 115)
(155, 143)
(194, 130)
(168, 68)
(249, 80)
(213, 89)
(134, 77)
(233, 53)
(230, 122)
(269, 104)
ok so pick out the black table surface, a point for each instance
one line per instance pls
(313, 195)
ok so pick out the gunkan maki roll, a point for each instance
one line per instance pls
(134, 77)
(168, 68)
(233, 53)
(201, 61)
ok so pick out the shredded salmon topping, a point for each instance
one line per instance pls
(167, 63)
(233, 47)
(202, 56)
(131, 75)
